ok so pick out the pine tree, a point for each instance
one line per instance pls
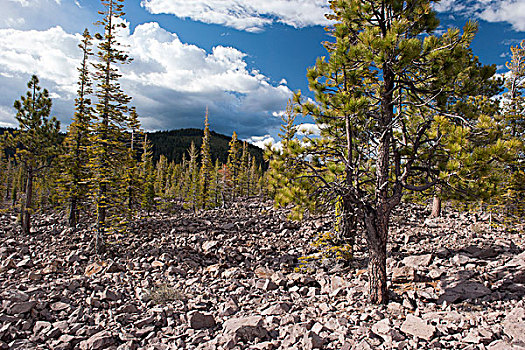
(36, 141)
(216, 186)
(107, 146)
(132, 171)
(286, 180)
(206, 167)
(192, 178)
(75, 172)
(514, 114)
(234, 164)
(161, 175)
(244, 170)
(384, 73)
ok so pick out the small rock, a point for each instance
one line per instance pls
(21, 308)
(198, 320)
(417, 261)
(100, 340)
(277, 309)
(417, 327)
(403, 274)
(514, 325)
(59, 306)
(246, 328)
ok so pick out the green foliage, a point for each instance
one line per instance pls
(36, 141)
(107, 149)
(74, 179)
(234, 164)
(394, 104)
(174, 144)
(206, 168)
(191, 179)
(287, 178)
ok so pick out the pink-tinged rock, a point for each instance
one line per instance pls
(100, 340)
(418, 327)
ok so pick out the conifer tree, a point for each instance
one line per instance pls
(161, 175)
(384, 72)
(234, 164)
(216, 187)
(286, 180)
(514, 114)
(244, 170)
(107, 146)
(132, 173)
(76, 172)
(192, 176)
(206, 167)
(36, 141)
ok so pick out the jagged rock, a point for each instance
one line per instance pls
(312, 340)
(151, 307)
(403, 274)
(110, 295)
(383, 329)
(462, 290)
(21, 308)
(100, 340)
(59, 306)
(246, 328)
(41, 326)
(199, 320)
(277, 309)
(417, 327)
(417, 261)
(514, 325)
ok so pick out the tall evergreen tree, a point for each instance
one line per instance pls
(75, 160)
(514, 114)
(132, 171)
(192, 178)
(36, 141)
(287, 182)
(206, 167)
(107, 146)
(384, 72)
(234, 164)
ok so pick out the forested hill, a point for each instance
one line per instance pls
(174, 143)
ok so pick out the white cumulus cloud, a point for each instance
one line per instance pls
(171, 82)
(248, 15)
(509, 11)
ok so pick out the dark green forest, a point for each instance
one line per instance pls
(173, 144)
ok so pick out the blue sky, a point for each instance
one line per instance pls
(241, 58)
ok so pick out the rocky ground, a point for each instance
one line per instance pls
(229, 279)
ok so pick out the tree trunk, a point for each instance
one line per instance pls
(26, 212)
(348, 225)
(436, 207)
(101, 219)
(377, 235)
(73, 215)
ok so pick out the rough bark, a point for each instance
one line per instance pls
(377, 235)
(101, 219)
(348, 224)
(436, 207)
(28, 203)
(73, 212)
